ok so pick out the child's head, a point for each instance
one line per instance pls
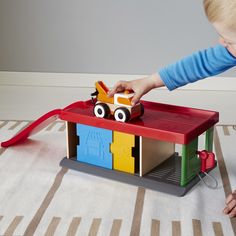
(221, 11)
(222, 14)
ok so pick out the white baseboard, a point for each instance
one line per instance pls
(27, 95)
(39, 79)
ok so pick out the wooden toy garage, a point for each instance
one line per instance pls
(142, 151)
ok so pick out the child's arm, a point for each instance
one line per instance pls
(202, 64)
(198, 66)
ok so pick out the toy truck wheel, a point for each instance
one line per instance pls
(122, 114)
(101, 110)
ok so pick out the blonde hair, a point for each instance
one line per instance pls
(223, 11)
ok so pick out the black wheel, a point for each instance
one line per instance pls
(122, 114)
(101, 110)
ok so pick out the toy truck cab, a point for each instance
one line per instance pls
(118, 106)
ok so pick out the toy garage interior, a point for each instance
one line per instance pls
(142, 151)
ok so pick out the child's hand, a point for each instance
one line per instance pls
(139, 86)
(230, 208)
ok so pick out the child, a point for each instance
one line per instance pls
(202, 64)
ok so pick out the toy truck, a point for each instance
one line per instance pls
(119, 106)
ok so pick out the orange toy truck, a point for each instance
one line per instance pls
(118, 106)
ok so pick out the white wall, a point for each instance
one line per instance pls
(26, 96)
(111, 37)
(87, 36)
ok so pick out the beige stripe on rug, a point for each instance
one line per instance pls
(197, 227)
(223, 173)
(138, 211)
(52, 226)
(217, 229)
(95, 227)
(12, 227)
(115, 229)
(155, 227)
(73, 226)
(31, 228)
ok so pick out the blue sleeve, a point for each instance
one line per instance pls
(202, 64)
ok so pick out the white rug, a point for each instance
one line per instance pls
(38, 197)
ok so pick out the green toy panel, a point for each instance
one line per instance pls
(190, 164)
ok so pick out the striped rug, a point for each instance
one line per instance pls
(38, 197)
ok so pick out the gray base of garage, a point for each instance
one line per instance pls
(164, 178)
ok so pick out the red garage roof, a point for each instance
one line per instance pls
(160, 121)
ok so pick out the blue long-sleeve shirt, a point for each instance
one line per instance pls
(202, 64)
